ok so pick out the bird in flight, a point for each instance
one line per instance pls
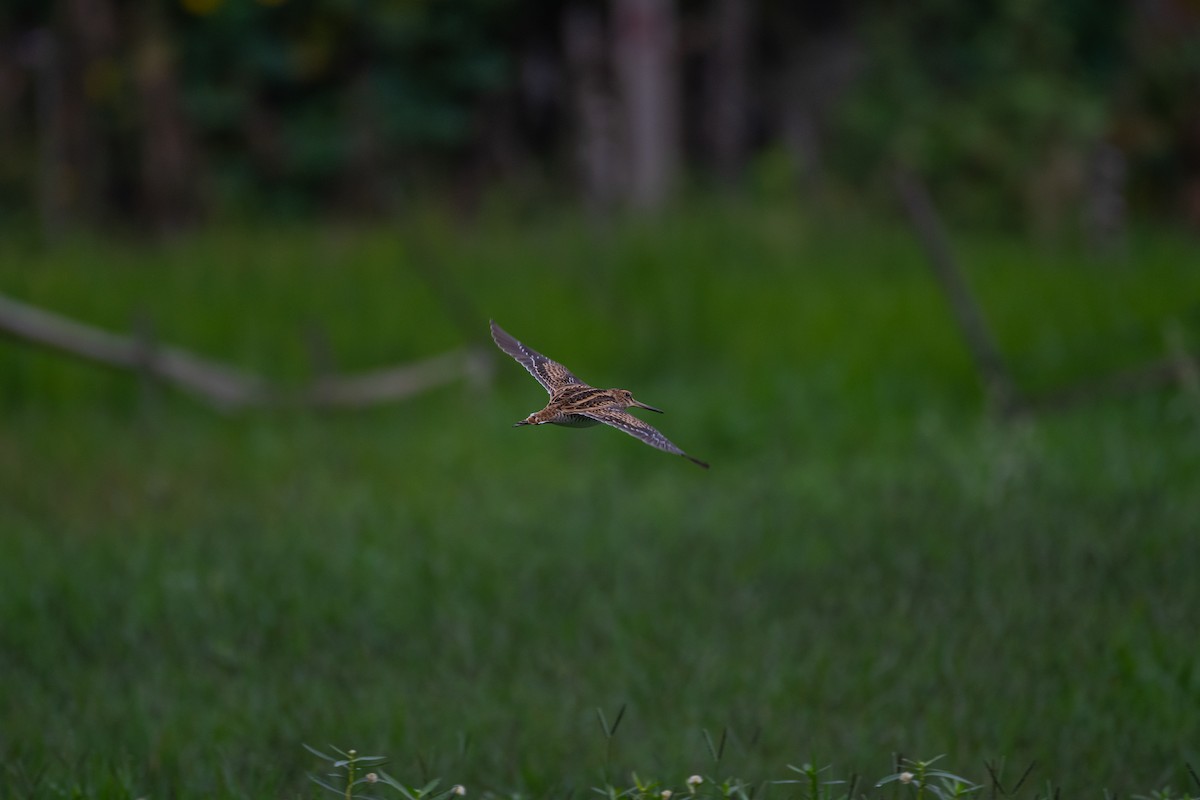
(575, 404)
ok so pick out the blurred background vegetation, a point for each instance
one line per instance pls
(160, 115)
(693, 199)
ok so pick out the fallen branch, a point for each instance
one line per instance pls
(1155, 375)
(225, 387)
(997, 382)
(394, 383)
(1179, 367)
(222, 386)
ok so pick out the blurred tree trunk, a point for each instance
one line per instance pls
(13, 155)
(363, 187)
(1161, 33)
(1105, 220)
(593, 109)
(73, 63)
(822, 63)
(167, 174)
(1053, 191)
(644, 57)
(728, 108)
(53, 169)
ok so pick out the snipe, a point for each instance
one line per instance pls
(575, 404)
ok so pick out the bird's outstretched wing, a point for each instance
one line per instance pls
(549, 373)
(624, 421)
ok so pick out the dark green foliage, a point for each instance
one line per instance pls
(289, 108)
(321, 83)
(986, 98)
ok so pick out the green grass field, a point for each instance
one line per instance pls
(872, 567)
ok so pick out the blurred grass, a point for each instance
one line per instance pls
(870, 567)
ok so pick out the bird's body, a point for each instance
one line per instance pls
(575, 404)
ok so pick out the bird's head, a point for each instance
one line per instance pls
(626, 398)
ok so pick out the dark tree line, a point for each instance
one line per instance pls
(162, 113)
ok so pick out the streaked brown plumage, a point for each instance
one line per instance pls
(575, 404)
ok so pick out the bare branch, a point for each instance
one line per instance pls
(1156, 374)
(394, 383)
(989, 363)
(1178, 368)
(225, 387)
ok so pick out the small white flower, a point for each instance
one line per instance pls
(371, 777)
(906, 777)
(665, 794)
(695, 781)
(458, 789)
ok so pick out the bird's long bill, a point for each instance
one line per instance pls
(639, 404)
